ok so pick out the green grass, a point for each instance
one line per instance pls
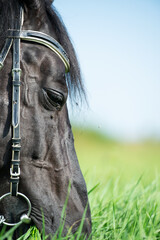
(125, 204)
(123, 182)
(131, 213)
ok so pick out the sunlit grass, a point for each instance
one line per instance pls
(129, 212)
(125, 204)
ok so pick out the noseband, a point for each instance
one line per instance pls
(14, 37)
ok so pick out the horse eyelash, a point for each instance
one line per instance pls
(53, 98)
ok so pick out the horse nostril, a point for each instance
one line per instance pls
(35, 156)
(52, 219)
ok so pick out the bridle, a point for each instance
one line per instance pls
(14, 38)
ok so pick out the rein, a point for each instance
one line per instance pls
(14, 38)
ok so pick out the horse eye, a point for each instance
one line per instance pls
(53, 98)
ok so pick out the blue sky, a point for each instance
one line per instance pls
(118, 46)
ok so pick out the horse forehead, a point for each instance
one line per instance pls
(42, 64)
(31, 54)
(45, 60)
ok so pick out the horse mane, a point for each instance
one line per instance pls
(74, 80)
(9, 11)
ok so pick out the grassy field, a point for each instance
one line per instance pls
(125, 204)
(107, 159)
(123, 182)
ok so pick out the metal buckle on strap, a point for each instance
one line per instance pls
(15, 174)
(16, 148)
(16, 70)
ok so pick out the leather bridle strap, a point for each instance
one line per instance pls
(5, 51)
(16, 139)
(43, 39)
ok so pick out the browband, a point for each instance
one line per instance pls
(34, 36)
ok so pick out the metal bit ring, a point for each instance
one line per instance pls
(29, 208)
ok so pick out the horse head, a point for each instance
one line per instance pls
(48, 160)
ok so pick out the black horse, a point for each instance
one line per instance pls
(48, 159)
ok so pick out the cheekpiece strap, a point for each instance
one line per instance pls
(5, 51)
(16, 139)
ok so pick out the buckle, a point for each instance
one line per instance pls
(15, 174)
(16, 70)
(16, 148)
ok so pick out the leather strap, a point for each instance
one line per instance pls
(41, 38)
(16, 138)
(5, 51)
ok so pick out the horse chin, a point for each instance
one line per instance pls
(49, 222)
(48, 227)
(51, 229)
